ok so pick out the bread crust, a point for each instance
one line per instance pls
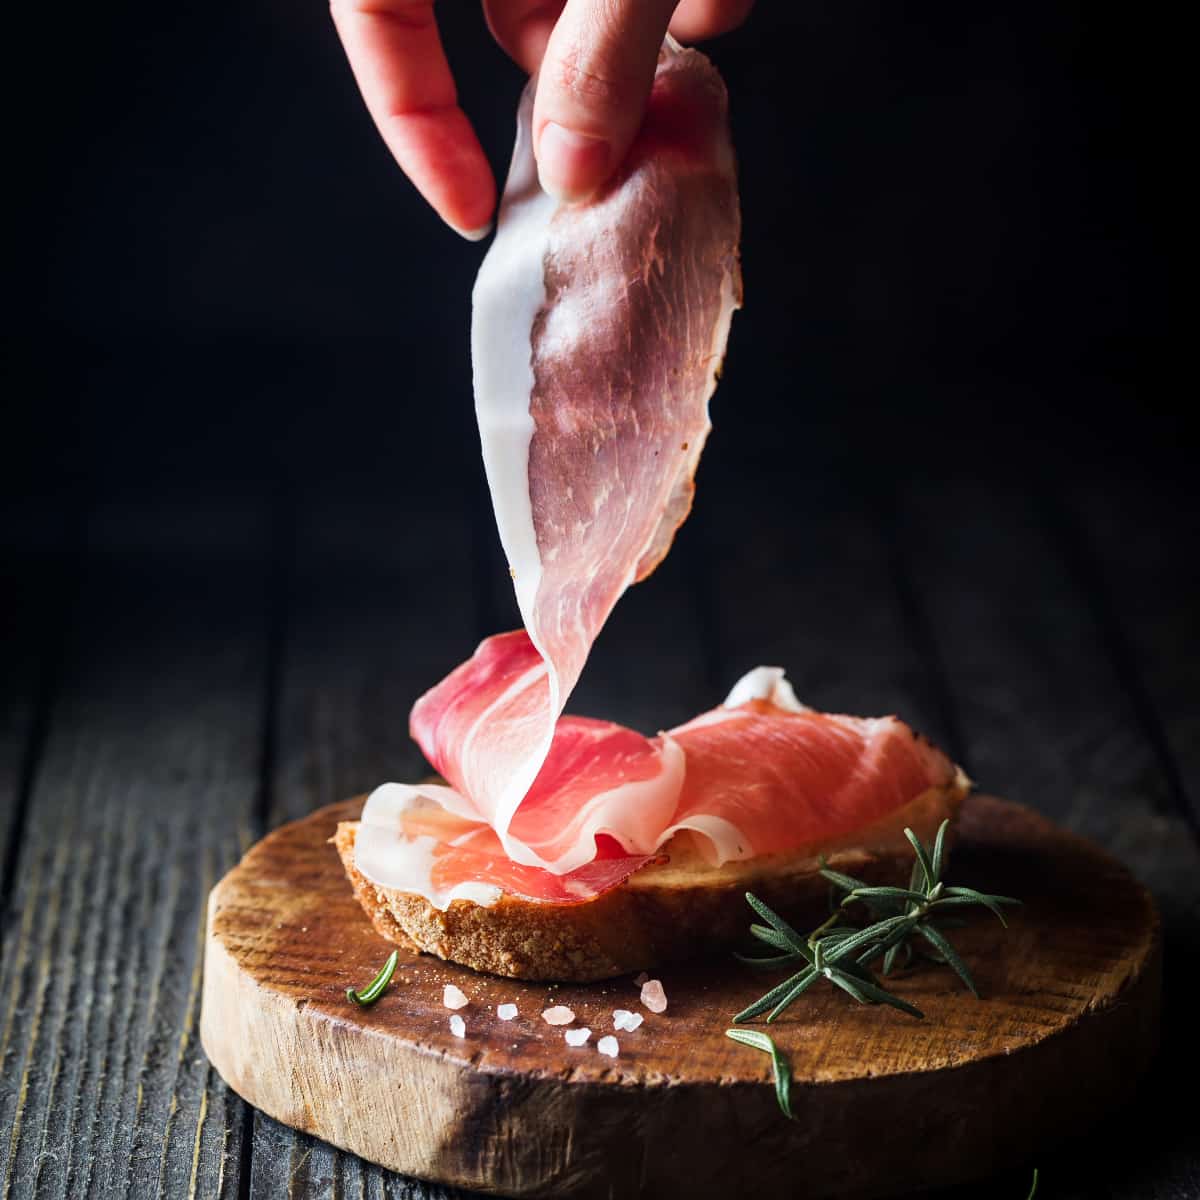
(662, 913)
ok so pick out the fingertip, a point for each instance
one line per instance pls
(571, 165)
(698, 20)
(474, 235)
(592, 90)
(523, 28)
(440, 154)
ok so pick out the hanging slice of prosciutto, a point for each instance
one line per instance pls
(759, 775)
(597, 336)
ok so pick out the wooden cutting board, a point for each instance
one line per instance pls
(884, 1103)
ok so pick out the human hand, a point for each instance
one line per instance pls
(596, 60)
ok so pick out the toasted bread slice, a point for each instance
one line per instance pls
(664, 912)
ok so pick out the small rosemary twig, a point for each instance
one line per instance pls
(374, 989)
(842, 954)
(779, 1064)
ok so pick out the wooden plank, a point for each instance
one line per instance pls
(1135, 548)
(1047, 718)
(805, 578)
(385, 603)
(144, 795)
(383, 608)
(40, 568)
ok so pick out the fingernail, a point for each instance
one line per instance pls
(474, 235)
(571, 165)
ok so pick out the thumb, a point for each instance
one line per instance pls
(592, 90)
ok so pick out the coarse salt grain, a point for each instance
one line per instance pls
(609, 1046)
(506, 1012)
(653, 996)
(458, 1026)
(558, 1015)
(453, 997)
(576, 1037)
(624, 1019)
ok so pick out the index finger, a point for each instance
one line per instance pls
(401, 69)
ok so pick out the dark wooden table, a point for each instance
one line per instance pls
(181, 675)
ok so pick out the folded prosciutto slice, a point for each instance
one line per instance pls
(759, 775)
(597, 336)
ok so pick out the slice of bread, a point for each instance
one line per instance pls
(664, 912)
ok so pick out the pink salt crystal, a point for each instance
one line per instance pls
(624, 1019)
(609, 1046)
(576, 1037)
(653, 996)
(558, 1015)
(458, 1026)
(453, 997)
(506, 1012)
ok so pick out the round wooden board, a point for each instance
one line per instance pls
(884, 1103)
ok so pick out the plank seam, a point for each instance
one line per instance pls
(54, 635)
(915, 620)
(1086, 572)
(698, 554)
(279, 574)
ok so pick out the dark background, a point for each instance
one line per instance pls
(243, 522)
(952, 217)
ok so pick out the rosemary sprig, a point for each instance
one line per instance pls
(779, 1064)
(374, 989)
(842, 954)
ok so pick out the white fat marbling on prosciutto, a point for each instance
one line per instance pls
(390, 858)
(764, 683)
(509, 294)
(722, 842)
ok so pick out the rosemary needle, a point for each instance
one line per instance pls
(779, 1064)
(374, 989)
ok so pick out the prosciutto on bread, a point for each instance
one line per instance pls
(760, 775)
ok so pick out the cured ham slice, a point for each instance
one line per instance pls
(762, 774)
(766, 775)
(597, 336)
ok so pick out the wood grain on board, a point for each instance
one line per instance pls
(1067, 1028)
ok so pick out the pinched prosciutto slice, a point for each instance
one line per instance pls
(760, 775)
(597, 335)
